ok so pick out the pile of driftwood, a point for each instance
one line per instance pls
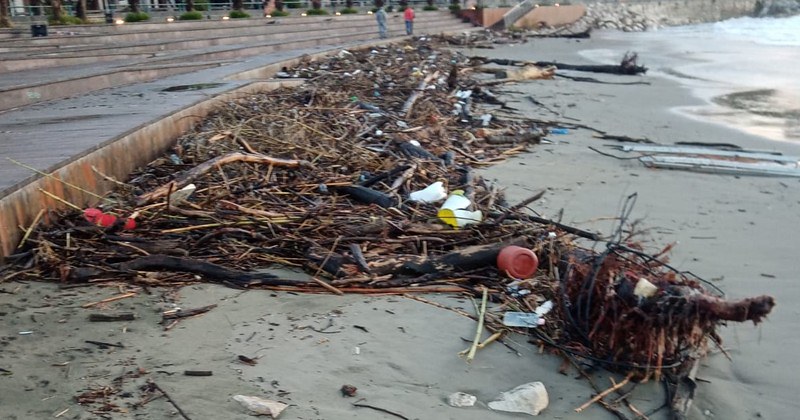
(319, 178)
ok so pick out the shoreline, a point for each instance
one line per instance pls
(401, 353)
(721, 75)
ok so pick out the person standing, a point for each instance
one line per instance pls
(409, 18)
(380, 16)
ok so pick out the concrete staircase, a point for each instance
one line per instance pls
(94, 57)
(516, 13)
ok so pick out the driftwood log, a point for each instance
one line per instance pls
(185, 178)
(627, 66)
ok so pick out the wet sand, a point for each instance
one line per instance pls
(402, 354)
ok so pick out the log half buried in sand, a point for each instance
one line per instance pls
(627, 66)
(185, 178)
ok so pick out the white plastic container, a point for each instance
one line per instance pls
(430, 194)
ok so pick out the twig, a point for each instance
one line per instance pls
(104, 344)
(520, 205)
(325, 261)
(57, 179)
(174, 404)
(59, 199)
(107, 300)
(109, 178)
(406, 110)
(481, 317)
(604, 393)
(183, 179)
(30, 228)
(180, 313)
(61, 413)
(381, 409)
(126, 316)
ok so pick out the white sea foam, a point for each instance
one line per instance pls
(769, 31)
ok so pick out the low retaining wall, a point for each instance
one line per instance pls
(549, 16)
(540, 16)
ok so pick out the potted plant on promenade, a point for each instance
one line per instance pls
(134, 14)
(348, 8)
(191, 12)
(279, 9)
(238, 12)
(316, 8)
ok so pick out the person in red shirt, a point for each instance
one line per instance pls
(409, 18)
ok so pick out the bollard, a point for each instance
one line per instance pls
(38, 30)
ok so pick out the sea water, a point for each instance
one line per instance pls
(747, 70)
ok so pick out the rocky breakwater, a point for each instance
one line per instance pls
(647, 15)
(777, 8)
(626, 17)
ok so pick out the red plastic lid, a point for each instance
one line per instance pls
(518, 262)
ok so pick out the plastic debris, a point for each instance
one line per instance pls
(430, 194)
(454, 211)
(522, 319)
(559, 131)
(413, 149)
(463, 94)
(97, 217)
(530, 398)
(369, 107)
(183, 194)
(175, 159)
(517, 262)
(461, 399)
(261, 405)
(544, 308)
(644, 288)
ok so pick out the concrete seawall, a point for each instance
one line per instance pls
(657, 13)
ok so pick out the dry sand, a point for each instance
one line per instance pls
(401, 354)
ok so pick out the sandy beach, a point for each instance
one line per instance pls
(402, 353)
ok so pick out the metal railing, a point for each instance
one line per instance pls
(178, 6)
